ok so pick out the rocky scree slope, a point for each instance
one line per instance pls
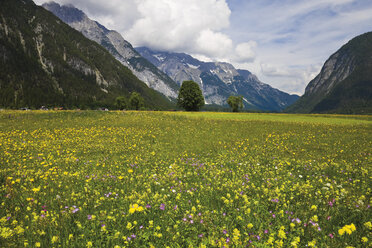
(121, 49)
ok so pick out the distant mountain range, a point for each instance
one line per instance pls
(219, 80)
(344, 85)
(43, 61)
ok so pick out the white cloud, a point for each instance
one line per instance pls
(178, 25)
(245, 51)
(213, 44)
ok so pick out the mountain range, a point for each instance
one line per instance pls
(66, 59)
(344, 84)
(219, 80)
(165, 71)
(43, 61)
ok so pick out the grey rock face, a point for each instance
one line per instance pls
(219, 80)
(117, 46)
(336, 68)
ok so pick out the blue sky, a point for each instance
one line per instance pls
(283, 42)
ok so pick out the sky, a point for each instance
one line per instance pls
(283, 42)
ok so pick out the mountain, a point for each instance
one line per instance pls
(344, 85)
(121, 49)
(219, 80)
(43, 61)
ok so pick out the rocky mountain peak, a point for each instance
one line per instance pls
(121, 49)
(219, 80)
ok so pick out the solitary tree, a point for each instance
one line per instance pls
(121, 102)
(136, 101)
(190, 96)
(235, 102)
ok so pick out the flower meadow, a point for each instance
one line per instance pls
(163, 179)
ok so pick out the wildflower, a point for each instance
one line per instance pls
(313, 207)
(236, 234)
(281, 233)
(36, 189)
(37, 244)
(129, 226)
(54, 239)
(364, 239)
(89, 244)
(135, 208)
(347, 228)
(368, 225)
(162, 206)
(250, 225)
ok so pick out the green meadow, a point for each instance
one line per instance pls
(179, 179)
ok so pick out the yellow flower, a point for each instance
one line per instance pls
(236, 234)
(368, 225)
(89, 244)
(37, 244)
(313, 207)
(250, 225)
(364, 239)
(281, 233)
(135, 208)
(54, 239)
(36, 189)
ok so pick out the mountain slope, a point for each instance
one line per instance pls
(117, 46)
(344, 85)
(219, 80)
(43, 61)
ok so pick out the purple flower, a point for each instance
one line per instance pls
(175, 207)
(191, 222)
(224, 232)
(148, 206)
(200, 235)
(162, 206)
(89, 217)
(227, 240)
(184, 219)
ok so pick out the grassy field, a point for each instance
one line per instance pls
(164, 179)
